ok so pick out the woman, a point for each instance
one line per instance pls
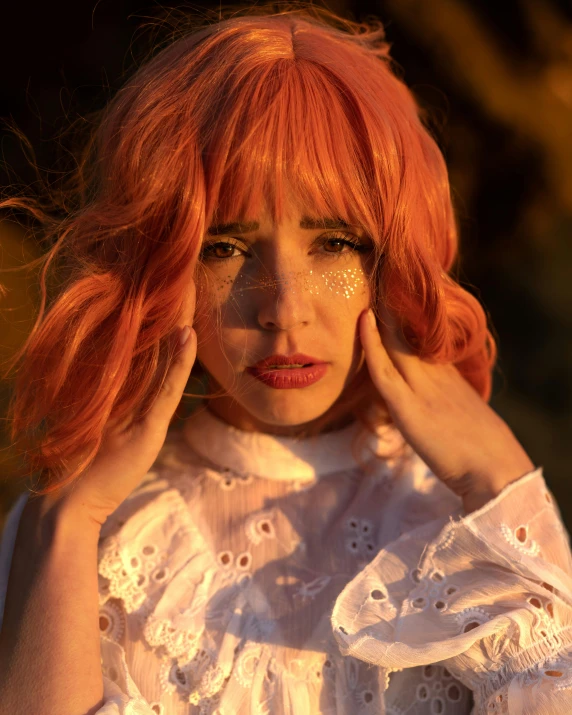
(343, 525)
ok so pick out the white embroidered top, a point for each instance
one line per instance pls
(250, 573)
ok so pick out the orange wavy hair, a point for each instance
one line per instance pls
(239, 108)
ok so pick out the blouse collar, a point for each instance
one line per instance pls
(285, 458)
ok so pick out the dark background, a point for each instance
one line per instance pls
(496, 81)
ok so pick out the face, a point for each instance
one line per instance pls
(297, 287)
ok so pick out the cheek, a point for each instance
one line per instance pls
(343, 295)
(340, 296)
(345, 286)
(207, 312)
(221, 298)
(336, 299)
(219, 324)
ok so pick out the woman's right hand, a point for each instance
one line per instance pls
(126, 456)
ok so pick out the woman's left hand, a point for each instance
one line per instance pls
(446, 422)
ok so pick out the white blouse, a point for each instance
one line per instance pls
(250, 573)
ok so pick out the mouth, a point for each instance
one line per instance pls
(295, 374)
(297, 370)
(296, 361)
(286, 367)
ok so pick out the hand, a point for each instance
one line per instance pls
(446, 422)
(126, 456)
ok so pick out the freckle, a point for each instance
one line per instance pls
(342, 282)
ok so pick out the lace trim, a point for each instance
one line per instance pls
(531, 664)
(118, 685)
(203, 680)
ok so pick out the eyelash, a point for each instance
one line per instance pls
(341, 237)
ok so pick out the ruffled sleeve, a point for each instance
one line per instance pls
(121, 696)
(488, 596)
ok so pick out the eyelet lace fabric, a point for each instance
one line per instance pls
(253, 574)
(220, 641)
(490, 598)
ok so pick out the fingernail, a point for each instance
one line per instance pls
(371, 318)
(185, 332)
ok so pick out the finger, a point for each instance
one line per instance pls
(175, 382)
(392, 333)
(383, 371)
(189, 305)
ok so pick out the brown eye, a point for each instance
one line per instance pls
(342, 244)
(338, 243)
(220, 249)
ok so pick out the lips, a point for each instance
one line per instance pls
(286, 367)
(284, 362)
(288, 378)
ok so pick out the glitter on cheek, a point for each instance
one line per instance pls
(346, 282)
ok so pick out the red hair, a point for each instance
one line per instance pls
(234, 112)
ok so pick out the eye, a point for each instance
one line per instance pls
(224, 250)
(220, 250)
(340, 241)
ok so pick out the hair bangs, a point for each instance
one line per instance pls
(291, 133)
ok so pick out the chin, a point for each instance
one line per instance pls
(287, 408)
(284, 416)
(279, 408)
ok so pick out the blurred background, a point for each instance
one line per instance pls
(495, 82)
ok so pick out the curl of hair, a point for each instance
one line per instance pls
(259, 102)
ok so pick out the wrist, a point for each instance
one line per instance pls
(477, 499)
(488, 488)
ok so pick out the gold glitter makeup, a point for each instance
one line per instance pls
(345, 282)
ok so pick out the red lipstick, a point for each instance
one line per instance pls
(307, 371)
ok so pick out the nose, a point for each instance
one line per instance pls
(285, 299)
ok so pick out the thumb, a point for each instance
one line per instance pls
(383, 371)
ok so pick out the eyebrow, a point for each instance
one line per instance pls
(305, 222)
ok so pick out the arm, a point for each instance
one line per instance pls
(50, 644)
(50, 660)
(487, 596)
